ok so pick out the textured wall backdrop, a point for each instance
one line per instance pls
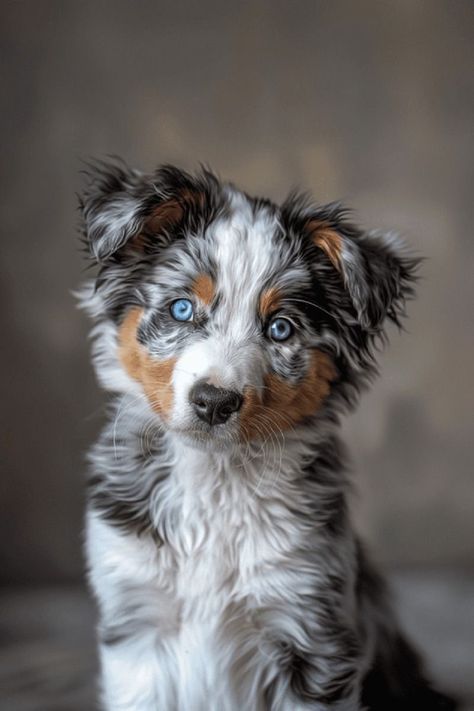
(369, 101)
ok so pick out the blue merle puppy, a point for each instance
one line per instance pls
(233, 332)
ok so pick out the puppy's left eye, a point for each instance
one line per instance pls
(182, 310)
(280, 329)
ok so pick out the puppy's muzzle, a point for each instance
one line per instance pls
(214, 405)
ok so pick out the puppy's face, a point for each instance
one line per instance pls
(229, 343)
(233, 318)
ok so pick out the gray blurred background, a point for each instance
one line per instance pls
(368, 101)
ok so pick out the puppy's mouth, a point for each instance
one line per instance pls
(205, 436)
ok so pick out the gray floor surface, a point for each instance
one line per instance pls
(48, 661)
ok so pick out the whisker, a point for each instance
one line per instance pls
(271, 433)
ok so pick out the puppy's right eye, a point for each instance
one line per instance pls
(182, 310)
(280, 329)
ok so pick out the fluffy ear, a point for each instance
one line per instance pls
(112, 207)
(121, 206)
(376, 271)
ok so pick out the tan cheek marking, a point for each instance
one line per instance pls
(204, 289)
(153, 375)
(284, 405)
(328, 240)
(269, 301)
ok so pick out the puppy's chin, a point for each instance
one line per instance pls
(206, 441)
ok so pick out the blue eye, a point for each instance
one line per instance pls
(280, 329)
(182, 310)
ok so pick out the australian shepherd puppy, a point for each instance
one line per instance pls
(233, 332)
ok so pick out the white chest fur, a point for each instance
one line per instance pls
(197, 606)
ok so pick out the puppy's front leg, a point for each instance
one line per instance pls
(138, 619)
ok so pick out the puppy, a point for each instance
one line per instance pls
(233, 332)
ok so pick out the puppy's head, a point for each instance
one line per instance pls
(230, 317)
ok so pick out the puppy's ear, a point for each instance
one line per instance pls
(112, 207)
(123, 207)
(376, 272)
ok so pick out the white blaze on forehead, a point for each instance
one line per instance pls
(245, 254)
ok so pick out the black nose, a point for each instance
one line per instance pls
(214, 405)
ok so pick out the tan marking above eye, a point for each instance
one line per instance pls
(270, 300)
(284, 405)
(204, 289)
(153, 375)
(327, 239)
